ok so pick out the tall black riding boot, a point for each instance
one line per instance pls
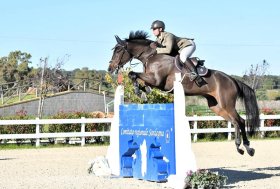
(188, 63)
(194, 75)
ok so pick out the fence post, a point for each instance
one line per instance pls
(262, 125)
(37, 133)
(2, 95)
(83, 128)
(19, 94)
(195, 129)
(85, 82)
(229, 128)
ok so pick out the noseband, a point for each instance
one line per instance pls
(124, 49)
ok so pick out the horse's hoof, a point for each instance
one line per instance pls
(148, 89)
(144, 97)
(137, 91)
(131, 75)
(240, 151)
(251, 151)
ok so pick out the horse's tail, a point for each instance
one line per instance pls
(247, 94)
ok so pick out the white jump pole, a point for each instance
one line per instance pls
(185, 159)
(113, 150)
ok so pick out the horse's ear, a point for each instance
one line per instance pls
(121, 42)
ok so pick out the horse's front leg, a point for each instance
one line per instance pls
(133, 77)
(148, 78)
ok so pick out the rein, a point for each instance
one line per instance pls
(136, 57)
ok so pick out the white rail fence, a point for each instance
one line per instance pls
(83, 121)
(230, 129)
(39, 122)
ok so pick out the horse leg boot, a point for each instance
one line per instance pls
(246, 143)
(250, 151)
(133, 77)
(238, 140)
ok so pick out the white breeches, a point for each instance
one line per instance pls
(187, 51)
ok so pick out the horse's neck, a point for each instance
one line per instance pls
(160, 61)
(145, 56)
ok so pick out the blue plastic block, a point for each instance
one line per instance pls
(147, 131)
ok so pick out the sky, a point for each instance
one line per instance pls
(231, 35)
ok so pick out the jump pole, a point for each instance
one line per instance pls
(185, 159)
(114, 148)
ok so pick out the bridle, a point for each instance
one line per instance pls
(124, 49)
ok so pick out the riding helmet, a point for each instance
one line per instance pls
(158, 24)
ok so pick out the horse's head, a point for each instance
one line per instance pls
(136, 46)
(120, 56)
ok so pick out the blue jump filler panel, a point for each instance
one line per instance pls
(147, 141)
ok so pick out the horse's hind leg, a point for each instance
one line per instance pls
(239, 124)
(231, 116)
(221, 112)
(246, 142)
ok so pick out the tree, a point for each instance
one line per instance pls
(51, 79)
(42, 91)
(14, 67)
(255, 75)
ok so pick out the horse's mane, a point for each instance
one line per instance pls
(140, 34)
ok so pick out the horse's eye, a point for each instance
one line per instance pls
(118, 49)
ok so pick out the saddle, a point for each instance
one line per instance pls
(196, 68)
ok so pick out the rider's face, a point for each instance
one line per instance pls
(156, 31)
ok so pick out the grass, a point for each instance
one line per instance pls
(197, 109)
(15, 99)
(43, 145)
(254, 138)
(273, 94)
(46, 145)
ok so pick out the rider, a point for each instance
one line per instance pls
(168, 43)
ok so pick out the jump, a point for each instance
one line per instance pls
(219, 89)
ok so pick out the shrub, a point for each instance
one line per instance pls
(211, 124)
(271, 122)
(155, 96)
(90, 127)
(19, 129)
(204, 179)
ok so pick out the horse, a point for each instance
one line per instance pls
(220, 90)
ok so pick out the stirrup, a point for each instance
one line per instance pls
(193, 76)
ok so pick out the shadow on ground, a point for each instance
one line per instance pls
(235, 176)
(1, 158)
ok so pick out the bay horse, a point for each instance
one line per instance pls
(220, 90)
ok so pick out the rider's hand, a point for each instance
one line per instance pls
(154, 45)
